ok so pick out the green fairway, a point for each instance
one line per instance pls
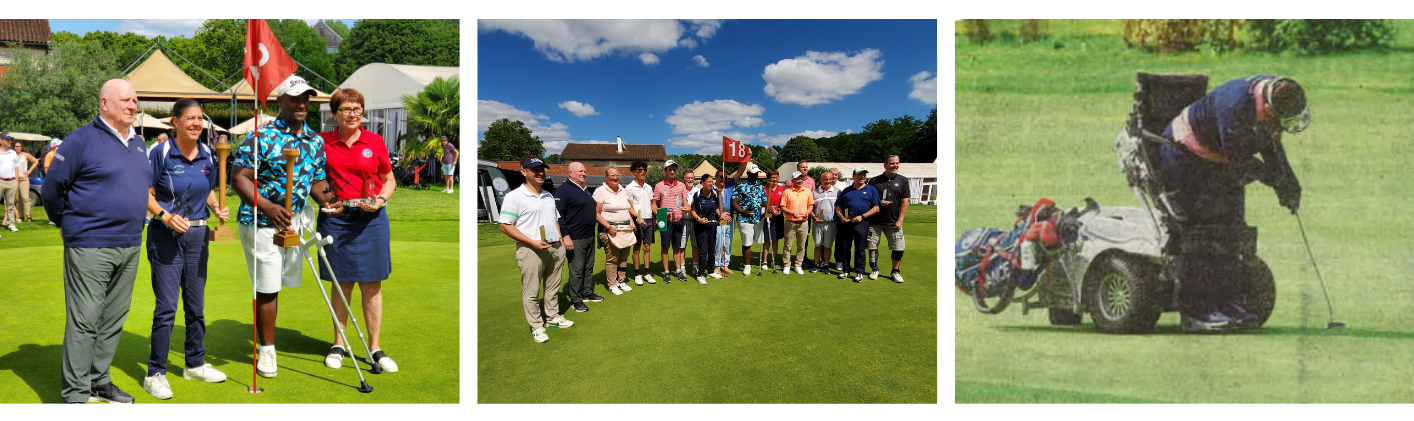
(808, 338)
(419, 330)
(1039, 120)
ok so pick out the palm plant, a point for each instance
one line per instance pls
(433, 113)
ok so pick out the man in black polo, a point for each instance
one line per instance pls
(888, 222)
(577, 218)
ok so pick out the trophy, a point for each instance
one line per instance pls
(542, 233)
(288, 237)
(221, 233)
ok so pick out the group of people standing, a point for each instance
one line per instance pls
(104, 183)
(16, 166)
(706, 211)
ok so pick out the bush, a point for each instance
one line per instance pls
(1312, 36)
(1177, 35)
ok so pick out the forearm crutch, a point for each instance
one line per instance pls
(318, 242)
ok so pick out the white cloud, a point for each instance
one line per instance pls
(488, 112)
(820, 78)
(782, 139)
(558, 146)
(585, 40)
(701, 61)
(709, 140)
(925, 88)
(579, 109)
(170, 28)
(722, 114)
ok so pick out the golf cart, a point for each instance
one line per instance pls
(1111, 262)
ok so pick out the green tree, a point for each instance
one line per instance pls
(217, 48)
(434, 112)
(654, 174)
(338, 26)
(507, 140)
(56, 93)
(925, 145)
(802, 148)
(305, 46)
(423, 42)
(128, 46)
(554, 158)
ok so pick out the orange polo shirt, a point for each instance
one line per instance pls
(798, 200)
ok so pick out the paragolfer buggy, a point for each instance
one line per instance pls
(1116, 263)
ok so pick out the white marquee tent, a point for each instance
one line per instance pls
(383, 86)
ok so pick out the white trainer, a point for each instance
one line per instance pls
(787, 271)
(615, 290)
(539, 335)
(799, 270)
(649, 277)
(765, 268)
(623, 286)
(747, 271)
(701, 280)
(335, 359)
(717, 275)
(559, 322)
(266, 367)
(383, 361)
(13, 229)
(638, 280)
(156, 385)
(874, 275)
(205, 373)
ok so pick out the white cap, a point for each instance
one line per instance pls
(669, 164)
(796, 174)
(293, 86)
(751, 167)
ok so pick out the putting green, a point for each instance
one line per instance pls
(419, 330)
(808, 338)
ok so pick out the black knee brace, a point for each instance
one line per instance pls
(897, 255)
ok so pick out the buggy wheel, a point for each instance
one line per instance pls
(1258, 292)
(1062, 317)
(1123, 295)
(997, 298)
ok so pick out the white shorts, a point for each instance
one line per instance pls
(823, 233)
(279, 266)
(895, 237)
(751, 233)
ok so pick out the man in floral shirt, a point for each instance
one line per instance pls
(748, 201)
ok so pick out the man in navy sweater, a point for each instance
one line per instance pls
(577, 217)
(96, 193)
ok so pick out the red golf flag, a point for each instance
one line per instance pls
(733, 151)
(266, 63)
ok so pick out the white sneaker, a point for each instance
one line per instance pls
(450, 191)
(615, 290)
(539, 335)
(638, 280)
(335, 359)
(266, 366)
(874, 275)
(624, 287)
(898, 277)
(787, 271)
(717, 275)
(650, 279)
(559, 322)
(701, 280)
(765, 268)
(156, 385)
(383, 361)
(12, 228)
(799, 270)
(205, 373)
(746, 271)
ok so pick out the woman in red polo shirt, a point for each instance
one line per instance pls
(362, 178)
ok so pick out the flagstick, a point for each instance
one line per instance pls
(255, 220)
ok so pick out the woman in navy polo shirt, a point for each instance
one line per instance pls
(361, 177)
(181, 197)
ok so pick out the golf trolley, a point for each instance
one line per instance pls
(1115, 263)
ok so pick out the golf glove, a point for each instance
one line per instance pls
(1290, 197)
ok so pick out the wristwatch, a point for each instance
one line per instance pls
(385, 200)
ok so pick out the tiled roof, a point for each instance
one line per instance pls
(580, 151)
(25, 30)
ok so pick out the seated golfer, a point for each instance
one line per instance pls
(672, 194)
(181, 197)
(616, 219)
(529, 217)
(824, 216)
(276, 267)
(706, 211)
(856, 204)
(749, 204)
(96, 193)
(640, 194)
(362, 178)
(888, 222)
(797, 204)
(1206, 167)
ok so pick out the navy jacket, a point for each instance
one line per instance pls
(576, 208)
(1225, 120)
(96, 189)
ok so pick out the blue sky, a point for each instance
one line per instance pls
(687, 83)
(171, 28)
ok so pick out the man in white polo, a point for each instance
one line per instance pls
(529, 217)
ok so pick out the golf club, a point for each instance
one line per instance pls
(1329, 309)
(318, 242)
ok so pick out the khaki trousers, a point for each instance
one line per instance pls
(25, 201)
(9, 189)
(796, 233)
(615, 261)
(540, 268)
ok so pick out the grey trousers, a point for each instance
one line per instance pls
(98, 288)
(581, 258)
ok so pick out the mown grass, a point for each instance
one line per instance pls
(773, 338)
(420, 332)
(1035, 120)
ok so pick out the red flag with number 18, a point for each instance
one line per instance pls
(733, 151)
(266, 63)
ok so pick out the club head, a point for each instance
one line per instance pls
(366, 388)
(254, 389)
(1335, 326)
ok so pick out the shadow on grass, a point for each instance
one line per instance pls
(40, 365)
(226, 341)
(1175, 330)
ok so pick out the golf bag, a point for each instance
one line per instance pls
(992, 263)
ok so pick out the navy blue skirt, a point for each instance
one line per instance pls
(360, 251)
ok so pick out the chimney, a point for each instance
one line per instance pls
(621, 143)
